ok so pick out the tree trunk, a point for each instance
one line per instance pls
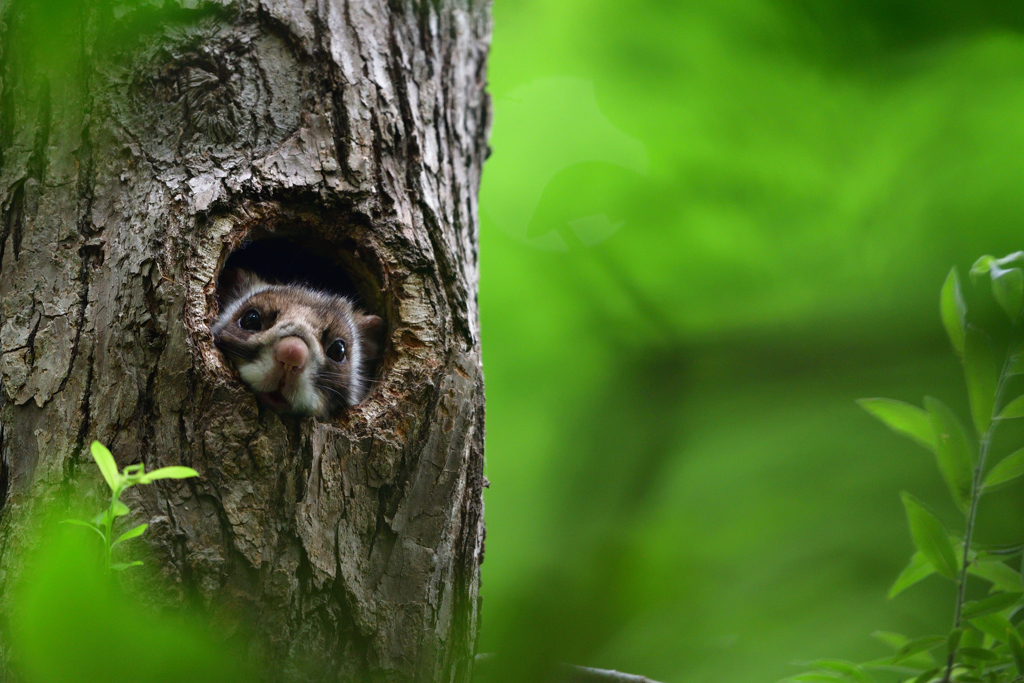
(139, 147)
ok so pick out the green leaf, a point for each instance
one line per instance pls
(918, 569)
(105, 461)
(953, 639)
(814, 677)
(893, 640)
(902, 418)
(1008, 469)
(119, 509)
(994, 625)
(993, 603)
(981, 267)
(926, 676)
(1015, 257)
(982, 376)
(130, 534)
(133, 471)
(1002, 576)
(79, 522)
(930, 537)
(920, 661)
(973, 637)
(1016, 648)
(1008, 290)
(847, 670)
(1017, 362)
(952, 452)
(953, 311)
(1013, 409)
(89, 525)
(980, 653)
(918, 645)
(176, 472)
(121, 566)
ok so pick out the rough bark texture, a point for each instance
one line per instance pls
(130, 168)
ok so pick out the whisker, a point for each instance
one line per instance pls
(344, 379)
(332, 390)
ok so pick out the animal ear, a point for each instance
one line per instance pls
(234, 284)
(371, 329)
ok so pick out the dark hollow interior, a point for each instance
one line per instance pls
(284, 261)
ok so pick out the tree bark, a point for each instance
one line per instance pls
(138, 148)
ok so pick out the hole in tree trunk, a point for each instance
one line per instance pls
(316, 259)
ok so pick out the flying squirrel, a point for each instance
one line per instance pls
(300, 350)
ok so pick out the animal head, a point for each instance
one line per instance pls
(301, 351)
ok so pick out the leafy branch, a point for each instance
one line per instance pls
(983, 645)
(119, 482)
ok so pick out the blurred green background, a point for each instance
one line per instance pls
(708, 227)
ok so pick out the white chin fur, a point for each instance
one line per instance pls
(260, 374)
(264, 375)
(304, 398)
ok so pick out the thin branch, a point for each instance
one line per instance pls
(584, 674)
(572, 673)
(976, 486)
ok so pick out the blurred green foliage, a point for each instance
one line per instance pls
(70, 623)
(707, 228)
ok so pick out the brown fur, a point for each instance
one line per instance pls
(319, 319)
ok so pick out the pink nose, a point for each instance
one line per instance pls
(292, 353)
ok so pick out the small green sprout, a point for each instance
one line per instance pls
(119, 482)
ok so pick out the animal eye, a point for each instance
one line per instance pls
(251, 321)
(336, 351)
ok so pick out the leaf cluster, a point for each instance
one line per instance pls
(984, 643)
